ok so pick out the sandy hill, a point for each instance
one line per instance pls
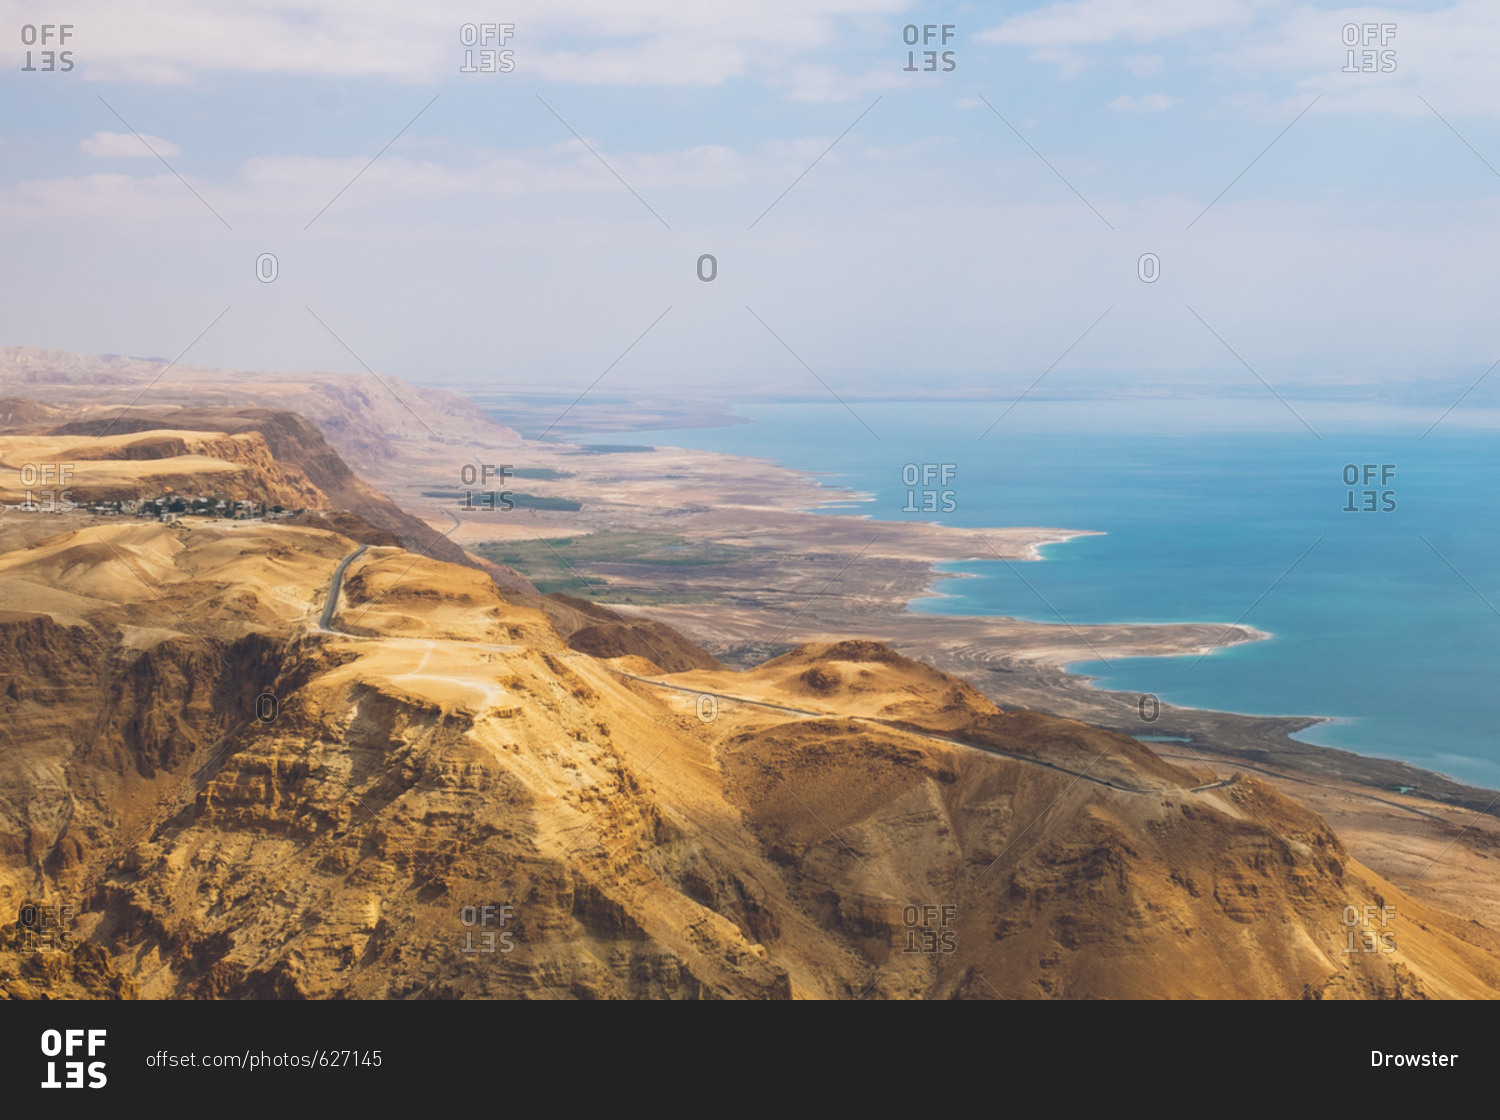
(602, 632)
(17, 412)
(289, 443)
(839, 823)
(153, 463)
(385, 429)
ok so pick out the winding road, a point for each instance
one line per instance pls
(325, 622)
(325, 625)
(905, 730)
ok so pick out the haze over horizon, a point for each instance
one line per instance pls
(523, 231)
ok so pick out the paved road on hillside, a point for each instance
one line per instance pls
(1027, 759)
(325, 623)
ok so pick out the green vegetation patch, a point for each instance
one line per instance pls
(547, 564)
(531, 501)
(481, 499)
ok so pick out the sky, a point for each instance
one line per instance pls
(1317, 219)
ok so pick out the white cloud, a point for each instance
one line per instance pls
(1142, 65)
(290, 189)
(655, 62)
(126, 145)
(1099, 21)
(643, 43)
(827, 84)
(1070, 64)
(1282, 51)
(1147, 103)
(1447, 56)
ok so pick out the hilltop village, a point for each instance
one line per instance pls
(164, 507)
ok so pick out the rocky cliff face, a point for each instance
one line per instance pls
(31, 968)
(295, 447)
(454, 804)
(264, 478)
(362, 416)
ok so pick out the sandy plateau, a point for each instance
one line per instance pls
(753, 773)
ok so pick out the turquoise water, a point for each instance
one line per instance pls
(1372, 627)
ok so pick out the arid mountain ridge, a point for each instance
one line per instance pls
(287, 443)
(836, 822)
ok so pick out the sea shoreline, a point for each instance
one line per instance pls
(786, 548)
(1351, 764)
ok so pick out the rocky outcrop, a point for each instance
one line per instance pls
(605, 633)
(297, 445)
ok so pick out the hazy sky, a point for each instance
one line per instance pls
(932, 246)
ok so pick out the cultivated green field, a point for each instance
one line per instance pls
(606, 565)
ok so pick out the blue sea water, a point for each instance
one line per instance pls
(1384, 620)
